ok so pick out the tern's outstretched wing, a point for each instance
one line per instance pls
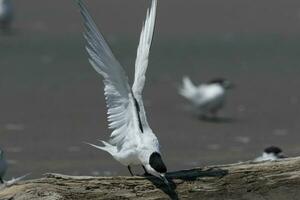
(141, 62)
(122, 115)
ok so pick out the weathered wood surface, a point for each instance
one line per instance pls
(278, 180)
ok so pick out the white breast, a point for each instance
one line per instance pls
(209, 94)
(266, 157)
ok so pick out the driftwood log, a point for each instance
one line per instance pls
(279, 180)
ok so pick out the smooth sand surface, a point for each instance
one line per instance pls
(51, 100)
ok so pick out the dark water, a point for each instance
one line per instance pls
(51, 100)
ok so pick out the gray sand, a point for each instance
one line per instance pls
(51, 100)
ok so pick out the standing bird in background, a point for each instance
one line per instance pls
(271, 153)
(207, 98)
(132, 141)
(3, 166)
(6, 15)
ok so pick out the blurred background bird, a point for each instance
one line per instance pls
(6, 15)
(271, 153)
(3, 166)
(3, 169)
(207, 98)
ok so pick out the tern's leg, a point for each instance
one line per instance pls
(146, 173)
(129, 168)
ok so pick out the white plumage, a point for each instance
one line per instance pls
(207, 98)
(132, 141)
(266, 157)
(270, 154)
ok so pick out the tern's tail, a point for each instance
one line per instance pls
(107, 147)
(188, 89)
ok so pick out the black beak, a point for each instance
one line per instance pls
(165, 180)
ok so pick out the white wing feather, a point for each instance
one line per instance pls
(122, 114)
(141, 62)
(188, 89)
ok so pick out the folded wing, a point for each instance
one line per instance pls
(122, 114)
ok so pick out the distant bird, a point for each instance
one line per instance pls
(207, 98)
(6, 14)
(271, 153)
(3, 166)
(132, 141)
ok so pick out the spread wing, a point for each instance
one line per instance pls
(141, 62)
(122, 114)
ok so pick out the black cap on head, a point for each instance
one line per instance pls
(273, 149)
(156, 163)
(218, 80)
(223, 82)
